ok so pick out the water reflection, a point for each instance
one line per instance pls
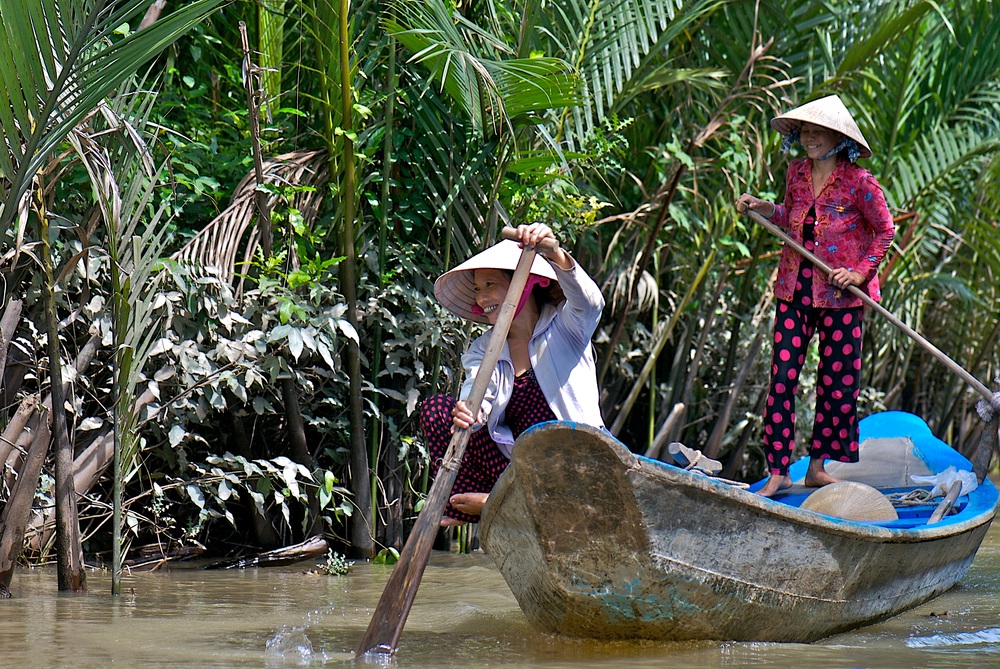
(464, 616)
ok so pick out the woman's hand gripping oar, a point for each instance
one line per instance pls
(390, 615)
(984, 452)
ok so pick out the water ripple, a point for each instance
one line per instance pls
(991, 635)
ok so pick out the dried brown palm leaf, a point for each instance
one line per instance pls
(216, 248)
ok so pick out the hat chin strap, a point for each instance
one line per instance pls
(853, 151)
(533, 280)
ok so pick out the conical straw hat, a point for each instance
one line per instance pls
(454, 289)
(851, 500)
(829, 112)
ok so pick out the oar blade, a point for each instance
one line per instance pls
(387, 622)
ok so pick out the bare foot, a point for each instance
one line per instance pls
(816, 475)
(448, 521)
(471, 503)
(775, 483)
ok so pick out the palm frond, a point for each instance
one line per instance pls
(451, 165)
(271, 20)
(617, 46)
(217, 247)
(58, 60)
(967, 67)
(895, 20)
(935, 160)
(469, 66)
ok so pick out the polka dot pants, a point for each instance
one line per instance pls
(483, 462)
(838, 383)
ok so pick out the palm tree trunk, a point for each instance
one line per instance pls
(69, 548)
(300, 445)
(387, 470)
(15, 515)
(363, 523)
(263, 530)
(250, 72)
(13, 430)
(8, 324)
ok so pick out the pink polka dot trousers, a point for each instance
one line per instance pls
(838, 383)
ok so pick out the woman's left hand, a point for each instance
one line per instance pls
(844, 278)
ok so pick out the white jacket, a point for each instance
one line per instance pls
(562, 357)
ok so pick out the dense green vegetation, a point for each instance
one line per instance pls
(264, 392)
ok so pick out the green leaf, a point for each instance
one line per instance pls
(285, 310)
(176, 435)
(295, 343)
(349, 134)
(348, 329)
(289, 474)
(386, 556)
(258, 501)
(194, 492)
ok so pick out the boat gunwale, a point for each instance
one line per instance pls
(980, 498)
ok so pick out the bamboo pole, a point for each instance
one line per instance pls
(975, 383)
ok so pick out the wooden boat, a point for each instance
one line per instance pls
(597, 542)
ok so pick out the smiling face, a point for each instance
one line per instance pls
(491, 288)
(817, 140)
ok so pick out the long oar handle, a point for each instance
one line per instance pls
(929, 347)
(387, 622)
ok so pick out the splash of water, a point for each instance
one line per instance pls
(289, 647)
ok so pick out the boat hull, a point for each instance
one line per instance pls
(597, 542)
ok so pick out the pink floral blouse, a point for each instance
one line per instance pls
(854, 229)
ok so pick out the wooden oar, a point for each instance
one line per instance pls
(989, 440)
(390, 615)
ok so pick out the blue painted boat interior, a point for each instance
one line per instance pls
(936, 454)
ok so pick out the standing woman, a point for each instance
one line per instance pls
(835, 209)
(545, 372)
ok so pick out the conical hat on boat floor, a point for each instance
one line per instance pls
(851, 500)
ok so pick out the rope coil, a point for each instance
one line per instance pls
(986, 409)
(912, 498)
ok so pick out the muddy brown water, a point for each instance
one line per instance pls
(464, 616)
